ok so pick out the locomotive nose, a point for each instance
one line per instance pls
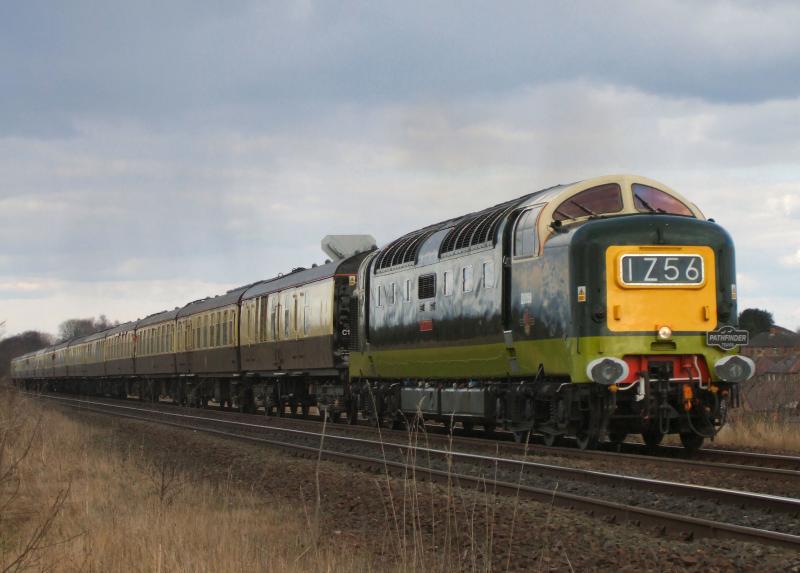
(735, 368)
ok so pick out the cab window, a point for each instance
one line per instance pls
(600, 200)
(526, 242)
(651, 200)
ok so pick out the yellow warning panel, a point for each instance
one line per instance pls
(650, 286)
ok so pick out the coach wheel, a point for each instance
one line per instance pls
(691, 441)
(652, 438)
(551, 440)
(352, 415)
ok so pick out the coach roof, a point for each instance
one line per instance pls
(230, 297)
(157, 318)
(293, 279)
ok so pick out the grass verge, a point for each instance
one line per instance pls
(70, 501)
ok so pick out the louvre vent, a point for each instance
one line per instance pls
(474, 231)
(426, 287)
(403, 250)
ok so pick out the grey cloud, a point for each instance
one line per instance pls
(263, 66)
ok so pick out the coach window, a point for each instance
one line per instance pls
(379, 301)
(526, 240)
(286, 317)
(273, 319)
(225, 328)
(651, 200)
(219, 328)
(250, 323)
(306, 319)
(407, 290)
(262, 319)
(600, 200)
(232, 315)
(205, 331)
(392, 293)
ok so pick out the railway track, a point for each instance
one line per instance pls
(765, 469)
(779, 516)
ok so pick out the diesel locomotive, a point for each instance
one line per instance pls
(579, 310)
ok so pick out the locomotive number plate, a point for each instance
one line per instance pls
(661, 270)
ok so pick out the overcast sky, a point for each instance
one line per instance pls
(152, 153)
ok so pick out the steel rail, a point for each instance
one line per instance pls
(675, 457)
(720, 495)
(664, 522)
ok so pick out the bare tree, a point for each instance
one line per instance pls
(21, 344)
(76, 327)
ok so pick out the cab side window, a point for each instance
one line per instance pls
(526, 240)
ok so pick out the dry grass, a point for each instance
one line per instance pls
(69, 504)
(760, 431)
(71, 499)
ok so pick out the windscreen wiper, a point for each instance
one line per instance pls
(582, 208)
(648, 206)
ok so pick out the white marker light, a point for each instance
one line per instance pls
(607, 371)
(665, 333)
(736, 368)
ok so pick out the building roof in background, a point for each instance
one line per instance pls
(776, 337)
(778, 364)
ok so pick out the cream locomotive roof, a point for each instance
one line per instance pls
(553, 198)
(479, 229)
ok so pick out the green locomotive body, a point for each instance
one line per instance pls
(506, 328)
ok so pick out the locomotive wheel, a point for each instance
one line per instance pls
(616, 438)
(521, 436)
(691, 441)
(652, 438)
(586, 440)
